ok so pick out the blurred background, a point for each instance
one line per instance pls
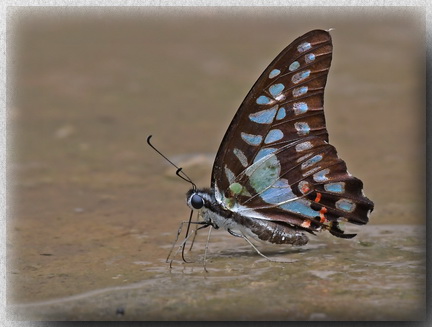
(90, 202)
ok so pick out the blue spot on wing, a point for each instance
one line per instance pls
(273, 136)
(276, 89)
(281, 114)
(312, 161)
(335, 187)
(262, 99)
(321, 175)
(251, 139)
(295, 65)
(279, 192)
(264, 116)
(274, 73)
(264, 173)
(300, 206)
(345, 205)
(264, 152)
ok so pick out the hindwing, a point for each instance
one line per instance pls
(275, 162)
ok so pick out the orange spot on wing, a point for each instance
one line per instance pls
(322, 216)
(318, 197)
(306, 223)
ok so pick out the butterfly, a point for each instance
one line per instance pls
(276, 178)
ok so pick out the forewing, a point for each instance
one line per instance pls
(296, 77)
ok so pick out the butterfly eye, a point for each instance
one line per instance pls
(197, 202)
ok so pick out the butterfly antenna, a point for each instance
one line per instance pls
(187, 179)
(180, 173)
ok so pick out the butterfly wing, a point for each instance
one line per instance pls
(275, 162)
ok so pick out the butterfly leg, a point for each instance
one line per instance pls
(204, 225)
(235, 234)
(179, 232)
(254, 247)
(251, 244)
(206, 248)
(195, 234)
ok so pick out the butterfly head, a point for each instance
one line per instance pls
(198, 199)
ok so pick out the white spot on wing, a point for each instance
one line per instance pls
(303, 146)
(241, 157)
(299, 91)
(305, 46)
(297, 78)
(309, 58)
(302, 128)
(229, 174)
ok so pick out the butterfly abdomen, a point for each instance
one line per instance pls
(272, 232)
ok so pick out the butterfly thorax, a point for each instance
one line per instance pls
(237, 224)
